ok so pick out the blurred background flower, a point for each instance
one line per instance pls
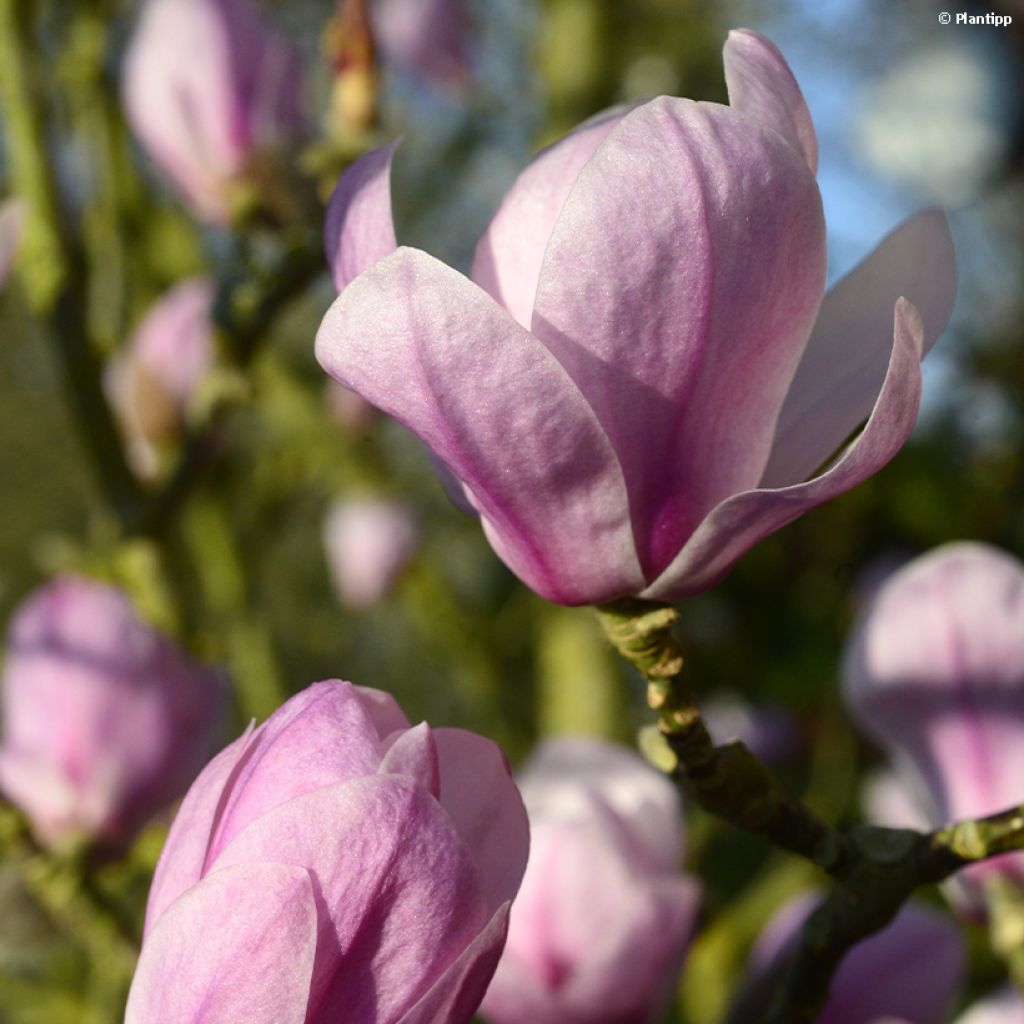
(105, 720)
(910, 972)
(600, 926)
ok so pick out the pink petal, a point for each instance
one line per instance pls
(396, 888)
(762, 86)
(296, 751)
(593, 935)
(359, 229)
(478, 792)
(427, 346)
(413, 753)
(237, 947)
(847, 357)
(455, 996)
(679, 298)
(383, 710)
(741, 521)
(935, 671)
(183, 858)
(509, 253)
(566, 772)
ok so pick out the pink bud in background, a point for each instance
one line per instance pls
(909, 972)
(368, 543)
(643, 376)
(423, 38)
(601, 923)
(334, 864)
(105, 721)
(935, 673)
(1005, 1007)
(153, 381)
(12, 223)
(209, 89)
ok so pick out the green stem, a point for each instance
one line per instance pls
(875, 869)
(727, 780)
(41, 258)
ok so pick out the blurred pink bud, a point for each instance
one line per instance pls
(424, 38)
(105, 720)
(12, 223)
(153, 381)
(334, 864)
(1005, 1007)
(935, 673)
(209, 90)
(643, 376)
(601, 923)
(369, 543)
(907, 973)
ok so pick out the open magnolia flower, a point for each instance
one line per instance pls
(643, 378)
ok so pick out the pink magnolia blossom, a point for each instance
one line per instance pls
(12, 223)
(426, 38)
(209, 89)
(601, 923)
(908, 973)
(105, 720)
(368, 543)
(934, 672)
(643, 377)
(166, 359)
(334, 864)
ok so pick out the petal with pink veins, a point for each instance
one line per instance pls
(847, 357)
(237, 947)
(762, 86)
(359, 229)
(397, 891)
(511, 249)
(478, 792)
(681, 312)
(741, 521)
(428, 346)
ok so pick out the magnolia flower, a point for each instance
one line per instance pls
(600, 925)
(166, 360)
(105, 720)
(209, 90)
(643, 379)
(12, 223)
(368, 543)
(334, 864)
(908, 973)
(935, 673)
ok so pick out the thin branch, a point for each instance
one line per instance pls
(875, 869)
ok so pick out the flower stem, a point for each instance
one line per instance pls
(875, 869)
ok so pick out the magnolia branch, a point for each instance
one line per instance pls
(875, 869)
